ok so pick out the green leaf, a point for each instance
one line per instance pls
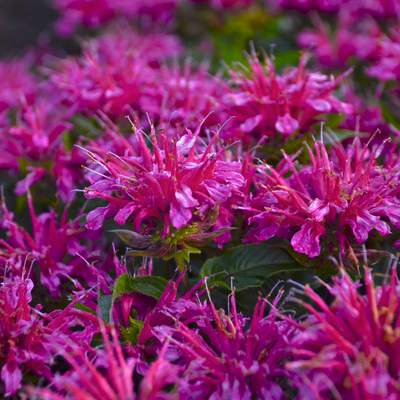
(153, 286)
(249, 264)
(389, 117)
(104, 302)
(82, 307)
(132, 333)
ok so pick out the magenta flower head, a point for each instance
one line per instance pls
(348, 350)
(221, 358)
(105, 375)
(360, 39)
(29, 339)
(357, 8)
(267, 105)
(94, 14)
(22, 336)
(17, 82)
(341, 200)
(172, 196)
(387, 68)
(114, 71)
(52, 246)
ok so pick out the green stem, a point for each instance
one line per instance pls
(183, 268)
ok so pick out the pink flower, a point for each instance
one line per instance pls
(219, 357)
(52, 246)
(341, 200)
(360, 39)
(17, 82)
(29, 343)
(357, 8)
(114, 72)
(267, 105)
(87, 382)
(171, 196)
(94, 14)
(386, 68)
(348, 349)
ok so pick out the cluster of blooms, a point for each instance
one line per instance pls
(360, 39)
(341, 200)
(33, 121)
(223, 359)
(176, 198)
(123, 72)
(375, 8)
(179, 185)
(267, 105)
(349, 349)
(94, 14)
(53, 247)
(30, 340)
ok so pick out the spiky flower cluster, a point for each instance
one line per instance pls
(174, 193)
(339, 200)
(349, 349)
(134, 136)
(267, 105)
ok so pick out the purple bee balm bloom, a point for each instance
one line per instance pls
(114, 72)
(183, 96)
(349, 349)
(360, 39)
(341, 201)
(368, 119)
(87, 382)
(94, 14)
(28, 342)
(357, 8)
(34, 146)
(170, 196)
(16, 83)
(50, 245)
(267, 105)
(387, 68)
(221, 359)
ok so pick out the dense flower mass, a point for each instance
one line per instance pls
(267, 105)
(166, 203)
(53, 247)
(175, 194)
(224, 359)
(339, 200)
(359, 8)
(349, 349)
(29, 339)
(115, 71)
(93, 14)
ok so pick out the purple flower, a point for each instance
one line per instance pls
(17, 82)
(357, 8)
(386, 68)
(52, 246)
(267, 105)
(360, 39)
(87, 382)
(114, 71)
(341, 200)
(349, 349)
(94, 14)
(220, 358)
(30, 340)
(171, 196)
